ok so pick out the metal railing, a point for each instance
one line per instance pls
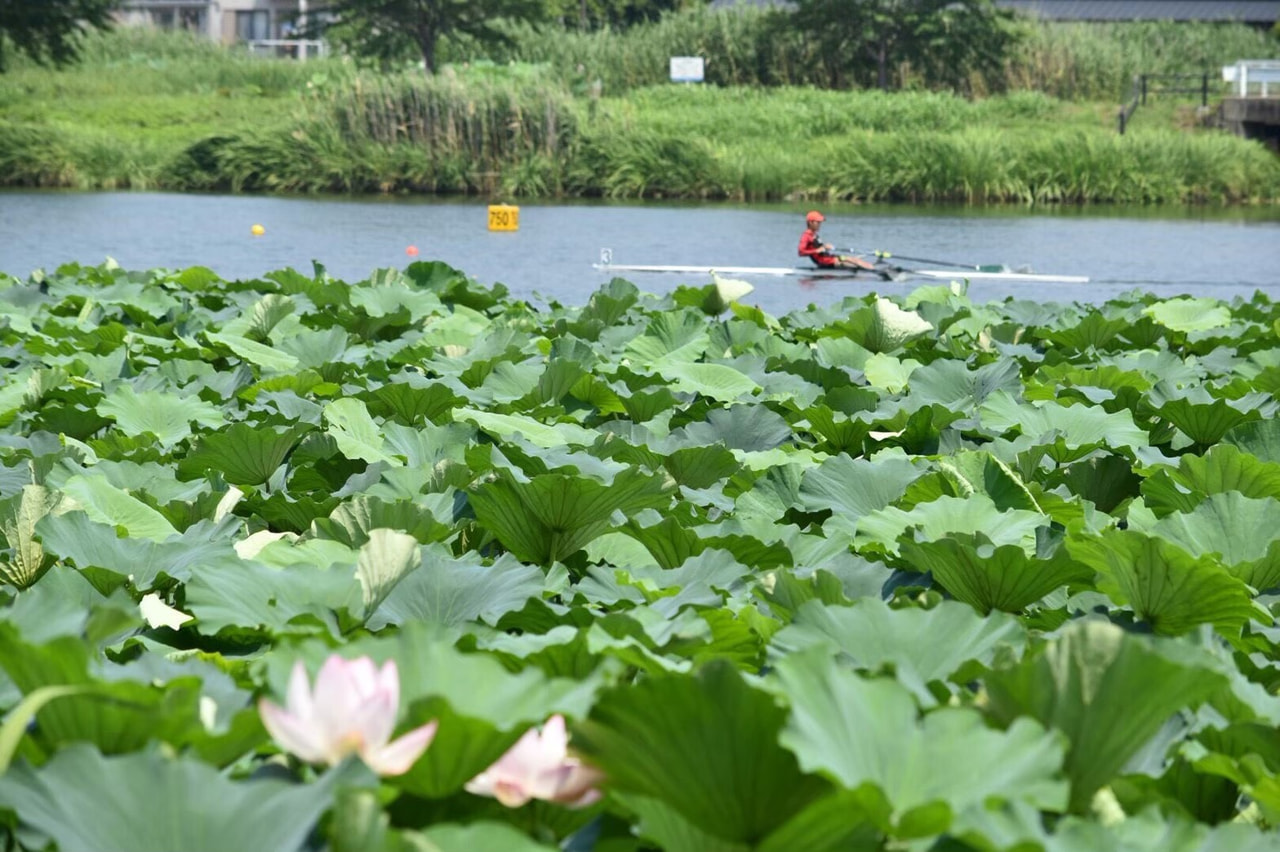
(287, 48)
(1250, 72)
(1150, 84)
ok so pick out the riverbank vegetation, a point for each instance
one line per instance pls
(753, 47)
(908, 572)
(163, 112)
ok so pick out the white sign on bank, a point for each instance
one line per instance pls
(686, 69)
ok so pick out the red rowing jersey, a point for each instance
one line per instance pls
(811, 247)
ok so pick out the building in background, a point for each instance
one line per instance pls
(225, 21)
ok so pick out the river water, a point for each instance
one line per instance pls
(1167, 251)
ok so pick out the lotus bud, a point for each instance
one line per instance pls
(539, 766)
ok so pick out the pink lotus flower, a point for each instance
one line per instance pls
(352, 711)
(539, 767)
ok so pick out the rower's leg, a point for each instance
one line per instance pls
(852, 262)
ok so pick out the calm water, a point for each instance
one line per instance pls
(1169, 251)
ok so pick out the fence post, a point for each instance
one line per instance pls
(1121, 120)
(1204, 89)
(1144, 89)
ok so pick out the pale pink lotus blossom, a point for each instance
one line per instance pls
(352, 711)
(539, 767)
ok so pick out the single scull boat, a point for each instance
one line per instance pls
(606, 264)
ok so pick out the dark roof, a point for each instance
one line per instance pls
(1247, 11)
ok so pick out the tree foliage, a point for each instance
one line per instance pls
(617, 14)
(879, 42)
(389, 30)
(49, 31)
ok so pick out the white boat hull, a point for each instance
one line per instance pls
(953, 275)
(701, 270)
(944, 274)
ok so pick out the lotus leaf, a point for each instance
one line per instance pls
(884, 327)
(988, 577)
(1260, 438)
(1223, 468)
(1204, 418)
(704, 746)
(358, 436)
(252, 352)
(1108, 691)
(1080, 427)
(1190, 314)
(952, 384)
(860, 731)
(715, 381)
(853, 488)
(477, 837)
(450, 591)
(751, 428)
(83, 800)
(937, 518)
(1167, 587)
(918, 646)
(242, 453)
(18, 517)
(1239, 530)
(670, 338)
(553, 516)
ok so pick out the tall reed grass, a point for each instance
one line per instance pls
(513, 133)
(486, 119)
(404, 133)
(1071, 166)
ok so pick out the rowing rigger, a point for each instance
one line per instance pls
(606, 264)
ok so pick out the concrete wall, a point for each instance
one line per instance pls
(1253, 118)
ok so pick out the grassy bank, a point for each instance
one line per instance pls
(152, 113)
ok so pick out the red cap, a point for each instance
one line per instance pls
(814, 216)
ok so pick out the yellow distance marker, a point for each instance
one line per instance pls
(504, 217)
(257, 230)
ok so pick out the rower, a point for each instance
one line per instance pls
(822, 254)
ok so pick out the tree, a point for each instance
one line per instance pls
(386, 29)
(619, 14)
(49, 31)
(943, 39)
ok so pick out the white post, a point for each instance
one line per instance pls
(302, 30)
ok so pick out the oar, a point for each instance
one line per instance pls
(884, 255)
